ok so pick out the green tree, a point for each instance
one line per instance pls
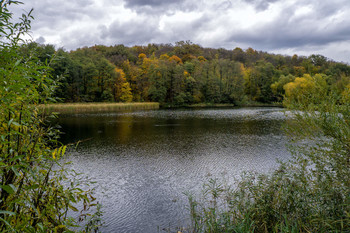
(233, 86)
(159, 79)
(105, 75)
(258, 81)
(32, 195)
(277, 87)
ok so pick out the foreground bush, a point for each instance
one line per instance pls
(311, 193)
(32, 195)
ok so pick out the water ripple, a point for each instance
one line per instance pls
(144, 161)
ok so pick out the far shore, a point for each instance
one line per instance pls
(98, 107)
(216, 105)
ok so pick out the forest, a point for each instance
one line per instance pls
(186, 73)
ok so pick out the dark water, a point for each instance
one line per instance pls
(143, 162)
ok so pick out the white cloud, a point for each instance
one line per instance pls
(305, 26)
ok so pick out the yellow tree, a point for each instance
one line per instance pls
(142, 56)
(277, 87)
(202, 59)
(125, 95)
(164, 57)
(134, 78)
(122, 90)
(346, 94)
(176, 59)
(306, 90)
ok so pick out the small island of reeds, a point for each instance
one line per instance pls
(72, 108)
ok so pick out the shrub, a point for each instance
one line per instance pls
(32, 195)
(310, 193)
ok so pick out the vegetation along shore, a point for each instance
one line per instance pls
(72, 108)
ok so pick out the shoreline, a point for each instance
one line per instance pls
(97, 107)
(103, 107)
(211, 105)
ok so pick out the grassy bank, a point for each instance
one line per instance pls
(71, 108)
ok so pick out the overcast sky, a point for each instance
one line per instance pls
(290, 27)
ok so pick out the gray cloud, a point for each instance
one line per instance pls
(40, 40)
(315, 28)
(160, 6)
(273, 25)
(151, 3)
(132, 32)
(58, 14)
(223, 6)
(261, 5)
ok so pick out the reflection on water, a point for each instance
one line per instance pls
(143, 162)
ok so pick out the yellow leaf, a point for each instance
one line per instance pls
(54, 154)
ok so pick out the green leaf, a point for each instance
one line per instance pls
(7, 212)
(73, 208)
(9, 123)
(15, 123)
(17, 62)
(13, 187)
(34, 186)
(8, 224)
(7, 188)
(15, 171)
(40, 225)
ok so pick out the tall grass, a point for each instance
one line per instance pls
(71, 108)
(310, 193)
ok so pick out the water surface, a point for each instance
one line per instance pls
(144, 161)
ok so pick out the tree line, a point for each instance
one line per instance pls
(185, 73)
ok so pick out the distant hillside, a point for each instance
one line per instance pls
(184, 73)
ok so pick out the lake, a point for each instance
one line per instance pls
(144, 161)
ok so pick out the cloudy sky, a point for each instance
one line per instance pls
(303, 27)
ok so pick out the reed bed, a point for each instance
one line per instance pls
(72, 108)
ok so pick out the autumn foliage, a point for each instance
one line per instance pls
(188, 73)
